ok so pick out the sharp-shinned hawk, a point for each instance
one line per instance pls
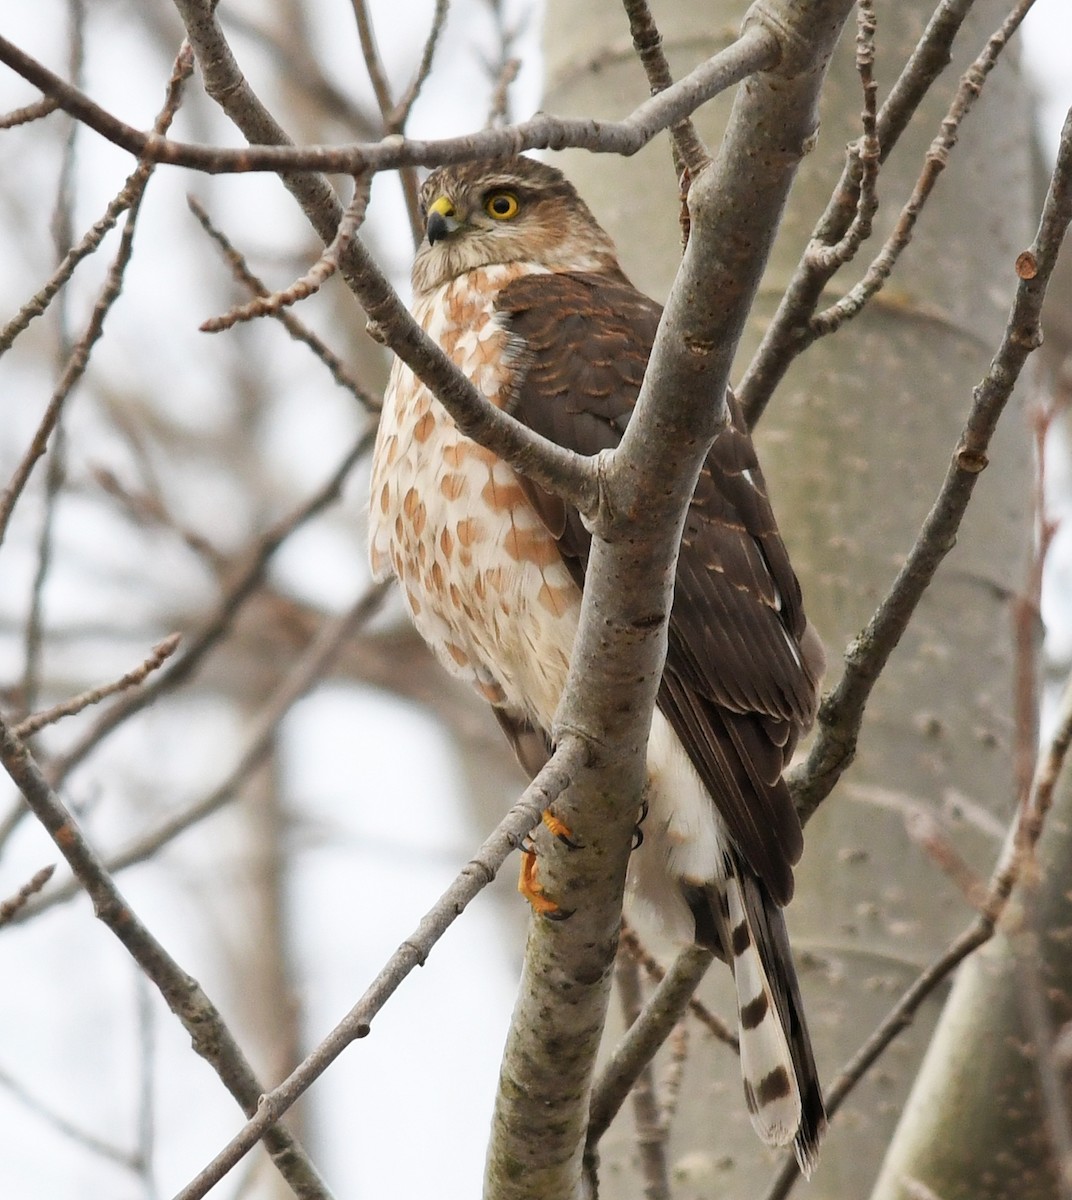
(521, 288)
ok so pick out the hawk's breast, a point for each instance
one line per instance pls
(481, 574)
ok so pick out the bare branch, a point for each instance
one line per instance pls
(76, 364)
(67, 1128)
(842, 709)
(690, 154)
(757, 49)
(400, 115)
(863, 156)
(296, 328)
(1015, 860)
(661, 1014)
(971, 85)
(28, 113)
(394, 119)
(246, 579)
(133, 188)
(555, 777)
(10, 908)
(162, 651)
(210, 1035)
(323, 649)
(714, 1024)
(317, 275)
(652, 1134)
(1027, 613)
(788, 333)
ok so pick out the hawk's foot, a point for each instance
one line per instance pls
(529, 885)
(560, 829)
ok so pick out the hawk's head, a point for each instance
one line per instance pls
(505, 210)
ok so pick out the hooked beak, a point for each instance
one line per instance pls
(442, 220)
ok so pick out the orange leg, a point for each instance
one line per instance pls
(528, 885)
(559, 828)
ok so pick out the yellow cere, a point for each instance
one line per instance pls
(442, 206)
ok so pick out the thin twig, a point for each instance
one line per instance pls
(675, 1071)
(471, 880)
(642, 1041)
(210, 1035)
(29, 112)
(62, 228)
(504, 68)
(295, 327)
(55, 477)
(400, 115)
(317, 657)
(651, 1132)
(131, 189)
(147, 1092)
(690, 154)
(302, 69)
(394, 121)
(148, 508)
(247, 577)
(81, 1137)
(841, 711)
(1027, 613)
(313, 279)
(788, 334)
(499, 105)
(756, 49)
(864, 156)
(244, 582)
(79, 357)
(11, 907)
(968, 91)
(381, 89)
(711, 1022)
(161, 652)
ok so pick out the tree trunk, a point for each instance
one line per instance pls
(988, 1115)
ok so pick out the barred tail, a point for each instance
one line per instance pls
(781, 1085)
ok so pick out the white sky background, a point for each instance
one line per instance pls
(376, 844)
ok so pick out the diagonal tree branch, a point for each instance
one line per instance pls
(549, 465)
(841, 712)
(790, 331)
(199, 1016)
(544, 790)
(1014, 862)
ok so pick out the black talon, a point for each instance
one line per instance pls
(638, 833)
(559, 914)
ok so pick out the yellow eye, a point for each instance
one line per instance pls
(501, 205)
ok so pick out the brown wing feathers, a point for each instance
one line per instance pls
(735, 688)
